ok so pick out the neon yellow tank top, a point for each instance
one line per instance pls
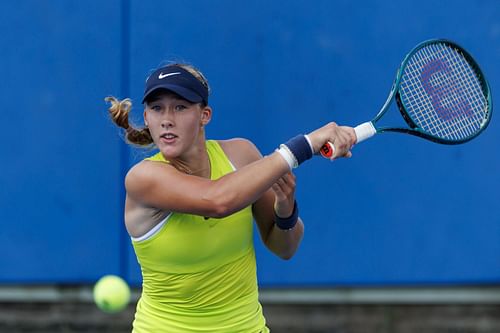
(199, 275)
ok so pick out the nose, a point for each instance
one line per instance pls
(167, 121)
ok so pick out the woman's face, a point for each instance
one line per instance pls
(175, 124)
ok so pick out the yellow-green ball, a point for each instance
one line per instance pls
(111, 294)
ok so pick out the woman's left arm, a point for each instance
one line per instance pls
(280, 199)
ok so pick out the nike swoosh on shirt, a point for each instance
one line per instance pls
(162, 76)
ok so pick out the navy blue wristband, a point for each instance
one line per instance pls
(289, 222)
(300, 148)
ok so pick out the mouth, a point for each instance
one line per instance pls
(168, 137)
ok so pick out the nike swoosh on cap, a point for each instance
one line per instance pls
(162, 76)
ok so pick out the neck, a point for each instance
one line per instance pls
(196, 163)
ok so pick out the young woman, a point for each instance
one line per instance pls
(190, 208)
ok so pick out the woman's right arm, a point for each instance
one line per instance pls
(161, 186)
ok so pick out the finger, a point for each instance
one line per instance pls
(281, 183)
(285, 189)
(346, 136)
(281, 186)
(340, 147)
(286, 175)
(278, 192)
(289, 179)
(346, 142)
(351, 132)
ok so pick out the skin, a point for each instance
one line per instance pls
(178, 130)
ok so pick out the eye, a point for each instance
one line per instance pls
(180, 107)
(155, 107)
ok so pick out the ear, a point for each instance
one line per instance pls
(145, 115)
(206, 115)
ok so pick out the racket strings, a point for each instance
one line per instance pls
(457, 124)
(442, 93)
(447, 102)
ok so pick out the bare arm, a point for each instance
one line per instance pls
(160, 185)
(283, 243)
(280, 198)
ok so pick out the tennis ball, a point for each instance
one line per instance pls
(111, 294)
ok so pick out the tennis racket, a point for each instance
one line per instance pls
(441, 93)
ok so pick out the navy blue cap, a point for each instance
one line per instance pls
(179, 81)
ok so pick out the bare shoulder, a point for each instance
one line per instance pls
(240, 151)
(145, 174)
(138, 173)
(140, 215)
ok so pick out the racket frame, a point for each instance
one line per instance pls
(413, 128)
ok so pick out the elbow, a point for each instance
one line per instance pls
(220, 206)
(220, 211)
(287, 255)
(283, 252)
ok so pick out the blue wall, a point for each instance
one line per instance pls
(401, 211)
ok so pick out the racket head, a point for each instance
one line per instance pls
(442, 93)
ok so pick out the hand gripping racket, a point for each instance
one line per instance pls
(441, 93)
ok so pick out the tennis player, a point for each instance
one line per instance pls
(190, 208)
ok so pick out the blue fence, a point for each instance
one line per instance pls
(401, 211)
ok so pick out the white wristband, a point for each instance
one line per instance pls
(287, 156)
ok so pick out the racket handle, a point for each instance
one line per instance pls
(363, 131)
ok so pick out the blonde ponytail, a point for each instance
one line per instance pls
(119, 112)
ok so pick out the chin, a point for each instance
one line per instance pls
(169, 152)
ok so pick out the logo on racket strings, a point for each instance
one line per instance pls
(445, 92)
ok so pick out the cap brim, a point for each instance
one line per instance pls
(181, 91)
